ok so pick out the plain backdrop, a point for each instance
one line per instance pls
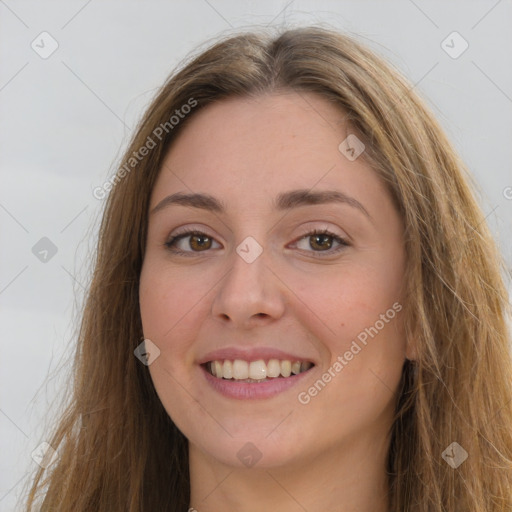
(65, 118)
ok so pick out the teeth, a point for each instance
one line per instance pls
(256, 371)
(305, 366)
(240, 370)
(227, 369)
(296, 367)
(273, 368)
(286, 368)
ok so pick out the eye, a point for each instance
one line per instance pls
(320, 241)
(199, 242)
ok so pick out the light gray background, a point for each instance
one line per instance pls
(65, 119)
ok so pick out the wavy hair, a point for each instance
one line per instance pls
(118, 448)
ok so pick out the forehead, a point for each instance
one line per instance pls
(246, 150)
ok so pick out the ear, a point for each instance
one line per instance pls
(411, 348)
(411, 351)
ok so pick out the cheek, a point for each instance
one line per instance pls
(350, 300)
(357, 316)
(166, 297)
(168, 306)
(365, 355)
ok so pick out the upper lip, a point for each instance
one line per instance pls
(252, 354)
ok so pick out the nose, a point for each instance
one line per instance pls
(250, 294)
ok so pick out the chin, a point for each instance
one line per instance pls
(244, 453)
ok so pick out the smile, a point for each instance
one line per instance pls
(256, 371)
(260, 379)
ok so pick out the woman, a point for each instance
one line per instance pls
(296, 302)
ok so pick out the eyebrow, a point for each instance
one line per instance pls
(284, 201)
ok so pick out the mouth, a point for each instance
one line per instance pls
(256, 372)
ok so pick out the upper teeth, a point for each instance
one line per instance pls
(256, 370)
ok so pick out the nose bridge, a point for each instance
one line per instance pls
(249, 289)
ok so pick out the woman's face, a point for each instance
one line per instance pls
(259, 293)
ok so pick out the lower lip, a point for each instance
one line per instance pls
(252, 390)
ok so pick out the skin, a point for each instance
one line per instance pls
(298, 296)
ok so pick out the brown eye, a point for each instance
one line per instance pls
(198, 242)
(321, 241)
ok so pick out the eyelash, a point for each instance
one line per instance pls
(343, 243)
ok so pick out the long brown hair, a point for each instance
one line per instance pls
(118, 448)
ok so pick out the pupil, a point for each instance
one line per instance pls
(324, 238)
(200, 237)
